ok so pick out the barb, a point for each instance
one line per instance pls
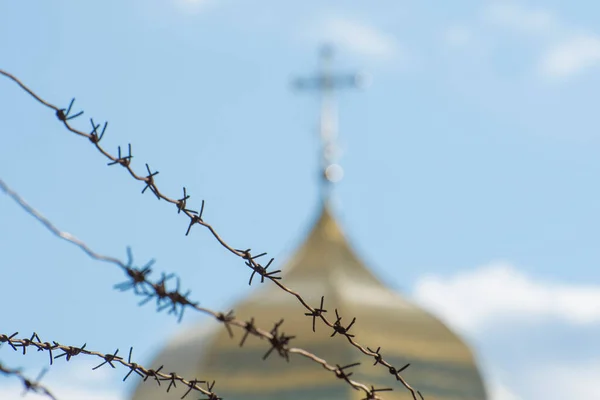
(28, 384)
(109, 358)
(195, 218)
(166, 298)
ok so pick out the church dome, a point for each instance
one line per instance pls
(441, 365)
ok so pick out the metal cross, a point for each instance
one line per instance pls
(326, 83)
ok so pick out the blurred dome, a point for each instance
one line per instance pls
(442, 366)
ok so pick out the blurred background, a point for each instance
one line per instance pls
(470, 169)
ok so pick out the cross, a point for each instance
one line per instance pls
(326, 82)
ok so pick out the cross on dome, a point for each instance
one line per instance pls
(326, 82)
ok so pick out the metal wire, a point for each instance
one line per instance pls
(28, 384)
(107, 359)
(173, 300)
(196, 218)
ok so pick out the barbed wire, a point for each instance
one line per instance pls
(28, 384)
(176, 302)
(196, 218)
(109, 359)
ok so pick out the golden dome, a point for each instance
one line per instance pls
(442, 366)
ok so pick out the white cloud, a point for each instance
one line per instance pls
(518, 18)
(499, 391)
(497, 293)
(557, 381)
(571, 56)
(568, 381)
(359, 38)
(568, 53)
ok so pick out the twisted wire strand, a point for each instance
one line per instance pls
(107, 359)
(176, 302)
(28, 384)
(196, 218)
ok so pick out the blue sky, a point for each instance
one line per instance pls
(470, 165)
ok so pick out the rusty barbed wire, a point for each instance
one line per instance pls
(196, 218)
(176, 302)
(28, 384)
(108, 359)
